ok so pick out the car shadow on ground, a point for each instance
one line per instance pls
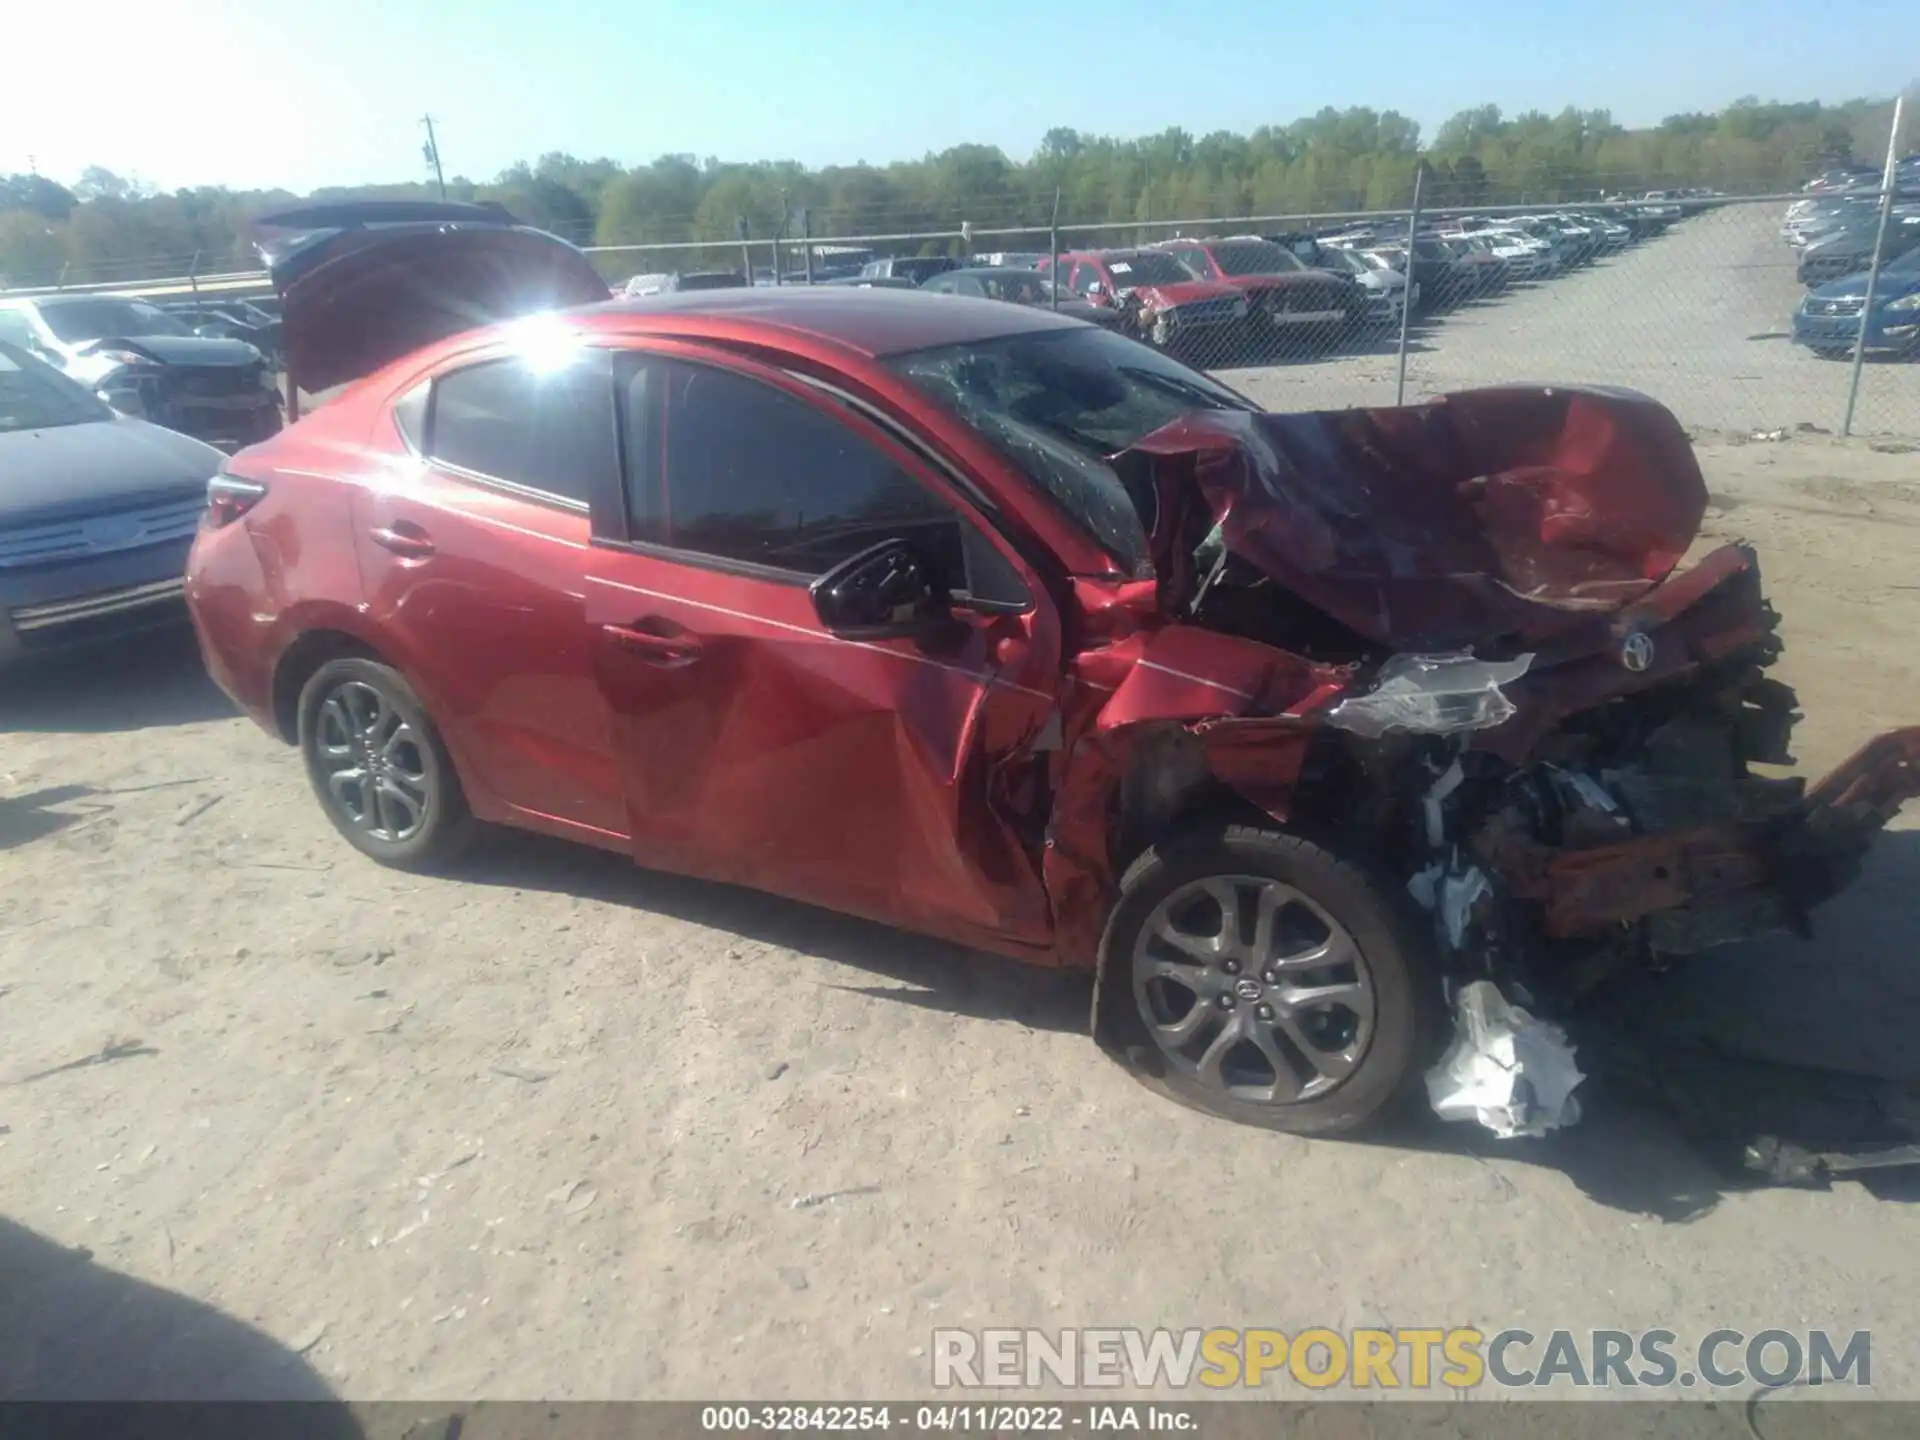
(909, 969)
(1748, 1039)
(156, 679)
(74, 1330)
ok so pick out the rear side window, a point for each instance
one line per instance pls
(755, 475)
(544, 429)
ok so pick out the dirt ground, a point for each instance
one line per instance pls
(559, 1128)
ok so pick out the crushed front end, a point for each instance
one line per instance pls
(1618, 810)
(1502, 691)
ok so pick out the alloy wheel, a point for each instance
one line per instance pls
(1252, 989)
(372, 762)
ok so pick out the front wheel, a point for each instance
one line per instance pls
(1256, 976)
(379, 767)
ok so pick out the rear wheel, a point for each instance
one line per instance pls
(379, 768)
(1256, 976)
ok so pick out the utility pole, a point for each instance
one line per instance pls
(432, 152)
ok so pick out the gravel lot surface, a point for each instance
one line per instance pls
(558, 1128)
(1699, 317)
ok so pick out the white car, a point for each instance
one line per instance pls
(1526, 257)
(1386, 287)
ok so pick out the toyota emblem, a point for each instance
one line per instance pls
(1636, 651)
(1248, 989)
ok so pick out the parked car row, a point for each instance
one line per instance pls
(1238, 298)
(1834, 233)
(1226, 299)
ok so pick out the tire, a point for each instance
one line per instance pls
(359, 716)
(1378, 1042)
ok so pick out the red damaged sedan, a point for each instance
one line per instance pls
(999, 627)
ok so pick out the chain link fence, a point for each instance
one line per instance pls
(1738, 312)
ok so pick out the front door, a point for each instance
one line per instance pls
(882, 778)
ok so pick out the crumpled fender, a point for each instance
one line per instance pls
(1249, 709)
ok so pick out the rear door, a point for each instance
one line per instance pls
(887, 778)
(475, 566)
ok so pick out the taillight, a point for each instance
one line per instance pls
(229, 497)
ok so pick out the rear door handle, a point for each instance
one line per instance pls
(407, 541)
(667, 650)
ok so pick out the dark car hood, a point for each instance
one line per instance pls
(1482, 516)
(362, 284)
(181, 349)
(62, 470)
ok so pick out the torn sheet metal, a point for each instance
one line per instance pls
(1505, 1069)
(1499, 512)
(1432, 695)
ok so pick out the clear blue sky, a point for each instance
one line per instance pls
(307, 94)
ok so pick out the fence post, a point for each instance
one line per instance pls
(1406, 306)
(1873, 270)
(1053, 251)
(193, 275)
(806, 240)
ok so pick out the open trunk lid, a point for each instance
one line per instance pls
(364, 282)
(1488, 517)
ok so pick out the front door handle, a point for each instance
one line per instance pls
(667, 650)
(406, 540)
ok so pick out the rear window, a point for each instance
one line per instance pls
(1254, 257)
(713, 280)
(542, 428)
(1147, 267)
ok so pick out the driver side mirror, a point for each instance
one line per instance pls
(883, 593)
(1097, 293)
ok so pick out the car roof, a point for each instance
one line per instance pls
(875, 322)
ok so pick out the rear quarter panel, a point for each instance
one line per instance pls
(287, 566)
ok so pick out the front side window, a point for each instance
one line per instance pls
(543, 425)
(757, 475)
